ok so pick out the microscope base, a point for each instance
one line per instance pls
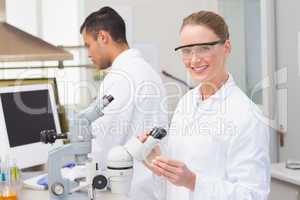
(74, 196)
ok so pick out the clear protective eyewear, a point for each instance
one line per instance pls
(199, 49)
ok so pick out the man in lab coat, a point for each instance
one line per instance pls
(137, 89)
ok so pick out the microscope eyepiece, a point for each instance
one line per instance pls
(50, 136)
(109, 98)
(158, 133)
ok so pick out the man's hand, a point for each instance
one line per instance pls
(174, 171)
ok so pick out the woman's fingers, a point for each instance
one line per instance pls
(157, 169)
(143, 137)
(175, 171)
(170, 162)
(155, 152)
(163, 172)
(166, 166)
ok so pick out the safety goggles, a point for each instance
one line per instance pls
(199, 49)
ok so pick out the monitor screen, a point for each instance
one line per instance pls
(24, 112)
(29, 110)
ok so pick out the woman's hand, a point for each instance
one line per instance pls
(143, 137)
(174, 171)
(155, 152)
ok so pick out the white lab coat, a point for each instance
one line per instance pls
(138, 106)
(223, 141)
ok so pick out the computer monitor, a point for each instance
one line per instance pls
(24, 112)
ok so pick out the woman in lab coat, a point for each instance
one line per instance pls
(218, 146)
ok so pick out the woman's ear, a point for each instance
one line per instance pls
(227, 46)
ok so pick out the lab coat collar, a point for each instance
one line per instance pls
(123, 57)
(220, 95)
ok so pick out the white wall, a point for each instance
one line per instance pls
(23, 15)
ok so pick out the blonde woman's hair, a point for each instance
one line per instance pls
(210, 20)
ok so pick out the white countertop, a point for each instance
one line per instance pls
(279, 171)
(28, 194)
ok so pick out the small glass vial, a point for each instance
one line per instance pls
(1, 185)
(9, 192)
(10, 182)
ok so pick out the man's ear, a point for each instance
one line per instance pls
(103, 37)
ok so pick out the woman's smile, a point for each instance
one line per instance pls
(200, 69)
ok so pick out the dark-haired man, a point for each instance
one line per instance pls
(136, 87)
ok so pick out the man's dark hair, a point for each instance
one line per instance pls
(106, 19)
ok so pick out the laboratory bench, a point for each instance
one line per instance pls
(285, 183)
(29, 194)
